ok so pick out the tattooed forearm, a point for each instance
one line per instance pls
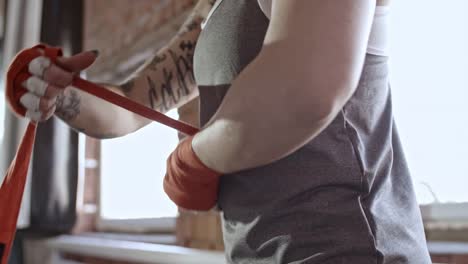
(68, 106)
(184, 71)
(176, 82)
(155, 102)
(167, 79)
(193, 23)
(163, 98)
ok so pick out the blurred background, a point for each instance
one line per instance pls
(91, 201)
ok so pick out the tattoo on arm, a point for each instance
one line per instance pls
(192, 24)
(161, 101)
(184, 65)
(157, 60)
(176, 83)
(68, 107)
(153, 96)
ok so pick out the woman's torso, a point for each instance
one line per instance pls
(344, 197)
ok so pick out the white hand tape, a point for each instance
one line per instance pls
(30, 101)
(34, 115)
(36, 86)
(39, 65)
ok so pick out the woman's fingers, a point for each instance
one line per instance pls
(30, 102)
(39, 116)
(61, 74)
(48, 80)
(41, 88)
(38, 66)
(38, 109)
(49, 113)
(53, 91)
(45, 104)
(57, 76)
(34, 115)
(42, 68)
(78, 62)
(35, 86)
(34, 103)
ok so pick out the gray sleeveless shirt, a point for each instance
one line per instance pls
(344, 197)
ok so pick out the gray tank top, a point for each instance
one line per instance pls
(344, 197)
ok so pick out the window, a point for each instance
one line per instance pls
(132, 173)
(429, 74)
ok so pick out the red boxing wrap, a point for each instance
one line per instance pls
(188, 182)
(18, 73)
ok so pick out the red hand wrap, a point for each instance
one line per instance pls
(11, 190)
(188, 182)
(18, 72)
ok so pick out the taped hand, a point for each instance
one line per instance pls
(188, 182)
(47, 80)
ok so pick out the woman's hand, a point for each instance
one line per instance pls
(188, 182)
(48, 82)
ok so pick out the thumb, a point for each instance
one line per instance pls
(78, 62)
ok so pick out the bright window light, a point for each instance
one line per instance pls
(429, 75)
(132, 173)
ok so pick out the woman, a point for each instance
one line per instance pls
(296, 114)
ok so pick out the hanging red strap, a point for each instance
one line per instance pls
(11, 191)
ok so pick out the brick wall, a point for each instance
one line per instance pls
(128, 31)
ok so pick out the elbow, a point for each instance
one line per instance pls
(109, 129)
(322, 105)
(318, 112)
(102, 134)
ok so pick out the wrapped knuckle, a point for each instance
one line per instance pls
(34, 115)
(30, 101)
(36, 86)
(39, 65)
